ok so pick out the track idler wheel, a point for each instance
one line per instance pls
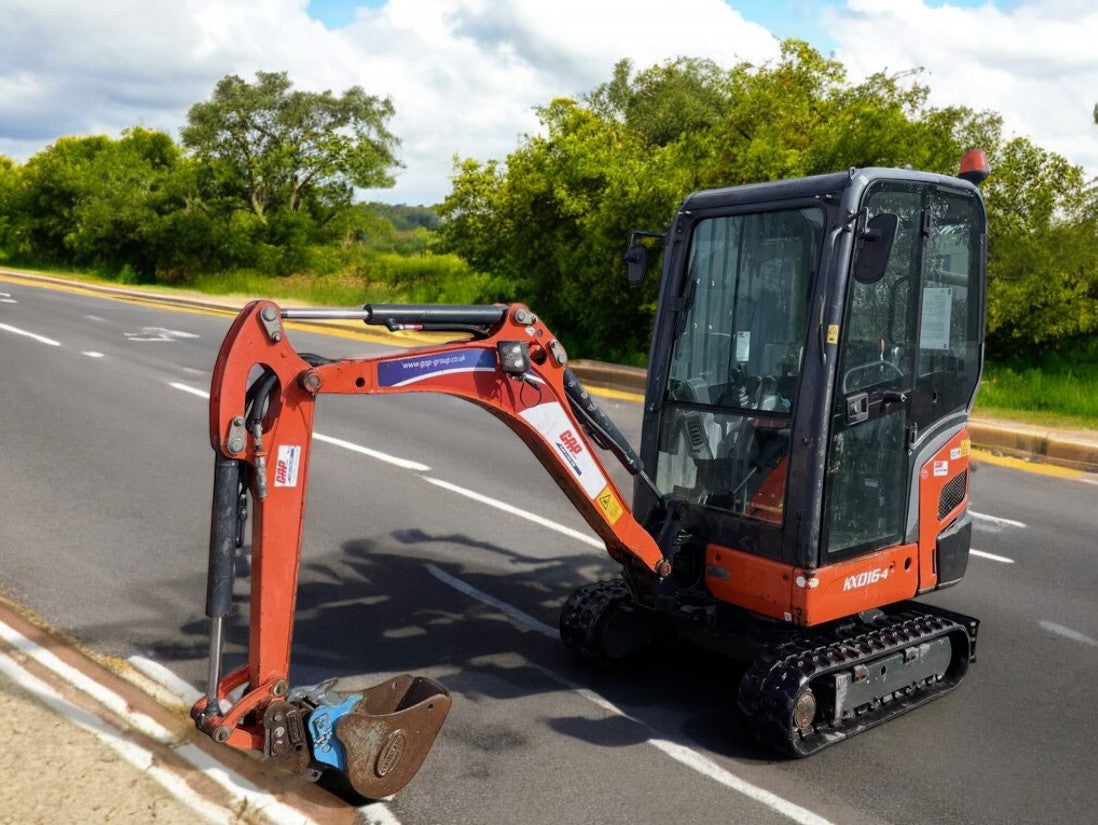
(602, 623)
(387, 734)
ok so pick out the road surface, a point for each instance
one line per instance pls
(409, 564)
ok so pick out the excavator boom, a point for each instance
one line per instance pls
(262, 403)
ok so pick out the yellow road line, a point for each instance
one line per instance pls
(1026, 466)
(616, 395)
(165, 302)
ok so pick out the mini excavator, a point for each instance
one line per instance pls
(803, 470)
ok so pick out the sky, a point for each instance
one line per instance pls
(465, 76)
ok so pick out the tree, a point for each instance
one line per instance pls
(1042, 253)
(50, 187)
(130, 187)
(553, 219)
(276, 149)
(128, 205)
(8, 183)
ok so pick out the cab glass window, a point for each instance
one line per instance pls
(736, 360)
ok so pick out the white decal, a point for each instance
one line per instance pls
(287, 465)
(557, 429)
(955, 453)
(868, 577)
(937, 305)
(743, 346)
(941, 468)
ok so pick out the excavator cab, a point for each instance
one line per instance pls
(817, 348)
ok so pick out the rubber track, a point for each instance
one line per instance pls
(581, 613)
(770, 686)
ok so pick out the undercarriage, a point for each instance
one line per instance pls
(805, 688)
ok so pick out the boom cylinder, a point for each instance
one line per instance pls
(472, 314)
(224, 532)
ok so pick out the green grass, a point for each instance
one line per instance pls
(315, 290)
(378, 278)
(1056, 394)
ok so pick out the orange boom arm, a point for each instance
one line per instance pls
(261, 431)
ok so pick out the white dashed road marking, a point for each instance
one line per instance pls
(991, 556)
(1068, 633)
(680, 752)
(41, 339)
(1005, 522)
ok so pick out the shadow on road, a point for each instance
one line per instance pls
(373, 609)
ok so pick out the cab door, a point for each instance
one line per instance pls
(866, 481)
(911, 351)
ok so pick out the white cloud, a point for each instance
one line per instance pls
(465, 75)
(1036, 64)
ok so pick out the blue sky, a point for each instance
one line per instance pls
(786, 18)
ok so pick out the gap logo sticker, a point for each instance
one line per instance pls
(287, 465)
(555, 427)
(397, 372)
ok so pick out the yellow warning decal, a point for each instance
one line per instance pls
(966, 446)
(832, 333)
(609, 504)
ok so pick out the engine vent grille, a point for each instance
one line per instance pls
(952, 494)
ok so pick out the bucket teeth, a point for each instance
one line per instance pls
(388, 734)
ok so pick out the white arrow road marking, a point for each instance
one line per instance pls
(159, 334)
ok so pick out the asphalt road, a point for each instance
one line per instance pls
(106, 469)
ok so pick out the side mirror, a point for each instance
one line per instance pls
(636, 263)
(875, 248)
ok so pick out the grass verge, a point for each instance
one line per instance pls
(1061, 394)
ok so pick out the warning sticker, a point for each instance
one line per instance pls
(941, 468)
(966, 446)
(287, 465)
(610, 505)
(955, 454)
(832, 333)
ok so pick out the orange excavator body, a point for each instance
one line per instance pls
(805, 423)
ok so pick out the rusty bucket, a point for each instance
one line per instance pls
(388, 734)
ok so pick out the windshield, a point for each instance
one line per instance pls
(736, 360)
